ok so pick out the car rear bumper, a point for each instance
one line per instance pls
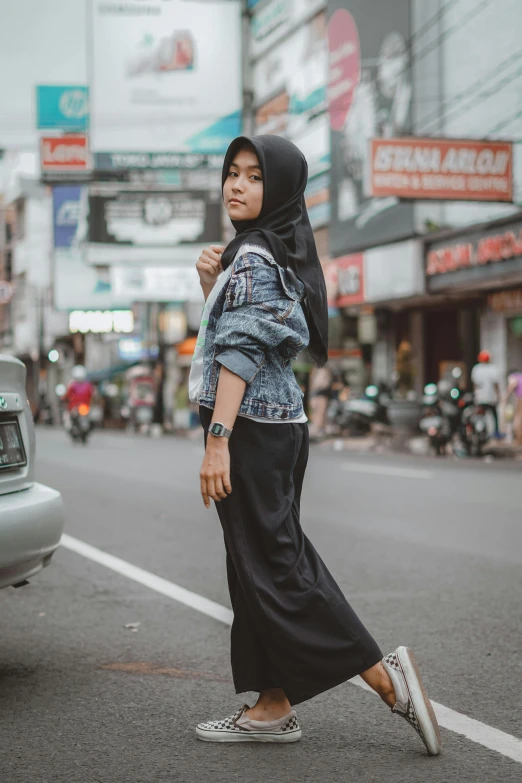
(31, 525)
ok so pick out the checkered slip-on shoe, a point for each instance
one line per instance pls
(241, 728)
(412, 700)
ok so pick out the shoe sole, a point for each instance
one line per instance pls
(208, 735)
(423, 707)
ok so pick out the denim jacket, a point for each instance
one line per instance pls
(255, 328)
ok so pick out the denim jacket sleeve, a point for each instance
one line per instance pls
(262, 313)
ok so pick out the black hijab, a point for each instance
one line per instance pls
(283, 227)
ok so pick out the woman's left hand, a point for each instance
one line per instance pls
(215, 471)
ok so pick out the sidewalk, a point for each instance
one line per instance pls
(386, 442)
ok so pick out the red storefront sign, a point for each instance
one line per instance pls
(443, 169)
(345, 280)
(65, 153)
(487, 249)
(506, 301)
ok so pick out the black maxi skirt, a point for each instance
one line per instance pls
(292, 627)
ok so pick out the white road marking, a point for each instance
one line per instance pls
(387, 470)
(474, 730)
(156, 583)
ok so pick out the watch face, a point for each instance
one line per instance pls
(217, 429)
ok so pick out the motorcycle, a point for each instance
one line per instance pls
(474, 430)
(435, 422)
(356, 416)
(80, 424)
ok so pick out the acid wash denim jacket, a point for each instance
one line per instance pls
(255, 328)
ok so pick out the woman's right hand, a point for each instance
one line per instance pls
(209, 265)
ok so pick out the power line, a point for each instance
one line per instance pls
(476, 85)
(504, 123)
(495, 88)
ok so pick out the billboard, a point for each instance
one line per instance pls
(156, 284)
(64, 107)
(166, 75)
(66, 213)
(276, 19)
(65, 154)
(444, 169)
(369, 96)
(154, 218)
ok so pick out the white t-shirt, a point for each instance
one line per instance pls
(485, 376)
(196, 370)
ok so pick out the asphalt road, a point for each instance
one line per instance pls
(428, 552)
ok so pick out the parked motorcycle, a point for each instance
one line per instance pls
(435, 421)
(356, 416)
(474, 430)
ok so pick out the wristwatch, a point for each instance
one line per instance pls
(219, 430)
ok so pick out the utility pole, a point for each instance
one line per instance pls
(246, 71)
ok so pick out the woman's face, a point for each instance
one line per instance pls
(243, 188)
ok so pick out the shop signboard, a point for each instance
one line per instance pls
(290, 90)
(158, 70)
(369, 97)
(442, 169)
(470, 258)
(65, 154)
(153, 218)
(509, 302)
(297, 67)
(345, 280)
(156, 284)
(63, 107)
(66, 213)
(122, 161)
(276, 19)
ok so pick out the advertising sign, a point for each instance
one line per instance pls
(64, 154)
(441, 169)
(156, 284)
(474, 250)
(154, 218)
(369, 97)
(295, 72)
(166, 75)
(64, 107)
(345, 280)
(121, 161)
(66, 213)
(275, 19)
(472, 258)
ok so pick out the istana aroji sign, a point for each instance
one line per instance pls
(443, 169)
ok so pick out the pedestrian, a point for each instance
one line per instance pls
(514, 388)
(486, 386)
(293, 635)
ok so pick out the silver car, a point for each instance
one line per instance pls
(31, 514)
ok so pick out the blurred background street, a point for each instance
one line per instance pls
(114, 119)
(431, 559)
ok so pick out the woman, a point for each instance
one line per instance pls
(294, 635)
(515, 388)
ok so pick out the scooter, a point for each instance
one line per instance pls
(356, 416)
(474, 430)
(434, 423)
(80, 424)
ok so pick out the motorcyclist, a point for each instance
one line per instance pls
(486, 386)
(79, 390)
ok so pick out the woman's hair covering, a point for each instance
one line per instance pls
(283, 227)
